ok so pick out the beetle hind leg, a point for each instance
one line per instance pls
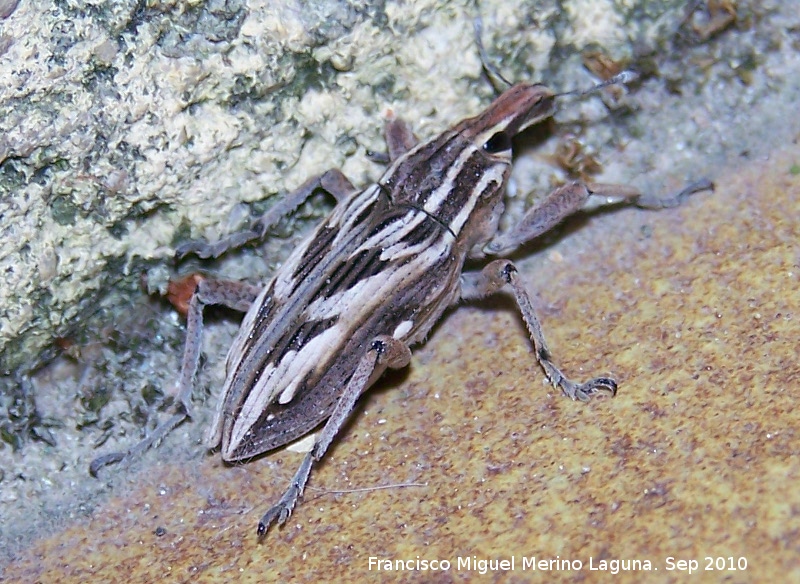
(190, 295)
(384, 352)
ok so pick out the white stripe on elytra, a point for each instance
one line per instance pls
(285, 282)
(491, 175)
(338, 302)
(394, 231)
(282, 382)
(237, 350)
(352, 211)
(368, 290)
(438, 196)
(401, 249)
(402, 329)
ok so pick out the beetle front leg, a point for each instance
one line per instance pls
(576, 196)
(384, 352)
(399, 140)
(332, 181)
(204, 291)
(493, 278)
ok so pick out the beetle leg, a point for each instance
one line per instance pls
(493, 278)
(332, 181)
(577, 196)
(236, 295)
(399, 138)
(384, 352)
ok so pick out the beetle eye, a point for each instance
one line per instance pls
(500, 142)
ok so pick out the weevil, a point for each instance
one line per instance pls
(370, 281)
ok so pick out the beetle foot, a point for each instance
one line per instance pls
(583, 391)
(280, 512)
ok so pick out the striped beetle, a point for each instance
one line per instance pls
(370, 282)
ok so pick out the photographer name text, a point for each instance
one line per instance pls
(557, 564)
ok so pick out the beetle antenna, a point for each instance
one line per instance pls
(495, 77)
(622, 78)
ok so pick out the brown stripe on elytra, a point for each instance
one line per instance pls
(412, 182)
(366, 211)
(429, 229)
(464, 187)
(365, 264)
(324, 242)
(319, 248)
